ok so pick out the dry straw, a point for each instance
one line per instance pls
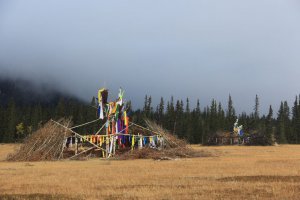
(47, 143)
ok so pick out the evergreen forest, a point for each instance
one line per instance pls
(23, 110)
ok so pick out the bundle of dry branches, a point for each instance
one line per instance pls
(47, 143)
(172, 141)
(174, 147)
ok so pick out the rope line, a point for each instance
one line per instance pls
(85, 123)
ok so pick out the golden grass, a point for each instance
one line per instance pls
(237, 172)
(6, 149)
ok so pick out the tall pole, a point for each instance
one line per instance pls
(76, 145)
(107, 140)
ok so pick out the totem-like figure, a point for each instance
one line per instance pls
(238, 130)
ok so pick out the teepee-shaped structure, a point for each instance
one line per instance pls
(117, 132)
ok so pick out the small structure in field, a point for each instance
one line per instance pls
(229, 138)
(238, 137)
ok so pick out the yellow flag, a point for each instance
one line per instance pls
(132, 144)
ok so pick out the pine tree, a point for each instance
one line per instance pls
(269, 125)
(256, 108)
(161, 109)
(197, 123)
(295, 109)
(170, 115)
(187, 108)
(145, 104)
(281, 134)
(230, 115)
(149, 108)
(295, 121)
(213, 117)
(93, 102)
(221, 117)
(178, 124)
(198, 110)
(287, 122)
(188, 127)
(172, 104)
(256, 124)
(167, 118)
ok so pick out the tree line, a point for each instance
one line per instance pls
(189, 122)
(19, 120)
(197, 125)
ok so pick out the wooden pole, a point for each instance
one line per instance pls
(114, 143)
(107, 142)
(61, 155)
(76, 145)
(84, 124)
(82, 152)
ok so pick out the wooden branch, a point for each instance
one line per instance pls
(81, 153)
(84, 124)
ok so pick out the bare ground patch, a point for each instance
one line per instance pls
(293, 179)
(35, 197)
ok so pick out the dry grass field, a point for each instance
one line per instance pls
(234, 172)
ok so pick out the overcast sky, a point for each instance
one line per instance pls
(197, 48)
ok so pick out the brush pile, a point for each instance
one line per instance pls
(174, 148)
(47, 143)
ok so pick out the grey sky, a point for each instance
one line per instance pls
(196, 49)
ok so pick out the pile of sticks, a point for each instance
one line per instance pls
(174, 147)
(172, 141)
(47, 143)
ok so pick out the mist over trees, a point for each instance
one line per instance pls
(19, 119)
